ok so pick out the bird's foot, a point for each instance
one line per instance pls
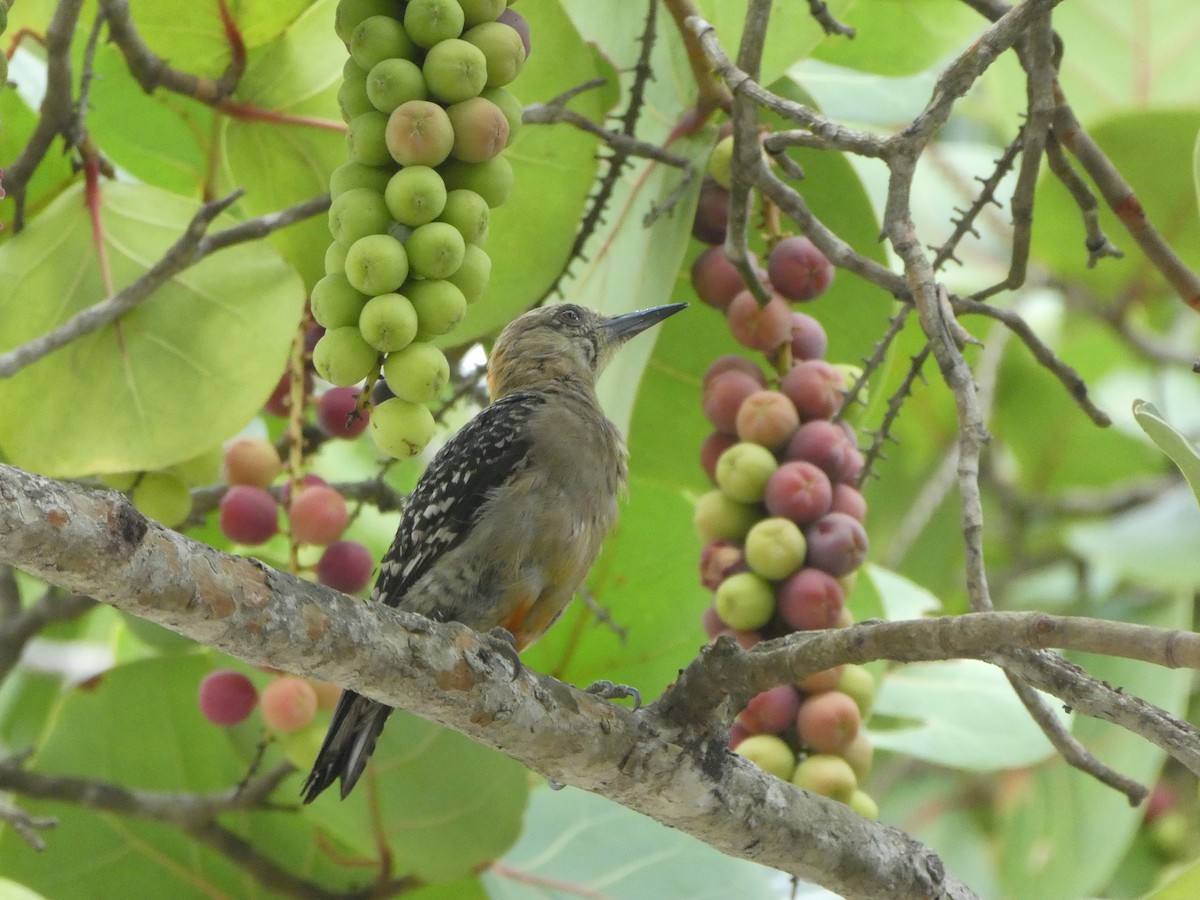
(611, 691)
(506, 645)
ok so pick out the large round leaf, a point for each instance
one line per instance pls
(184, 369)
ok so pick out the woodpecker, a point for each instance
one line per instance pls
(507, 520)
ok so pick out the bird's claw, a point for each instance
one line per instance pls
(504, 642)
(612, 691)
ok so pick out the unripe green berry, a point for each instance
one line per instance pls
(335, 258)
(356, 213)
(454, 70)
(492, 180)
(377, 38)
(745, 601)
(415, 195)
(743, 471)
(392, 82)
(388, 322)
(419, 133)
(859, 684)
(343, 358)
(502, 48)
(352, 94)
(474, 274)
(352, 175)
(770, 753)
(429, 22)
(509, 105)
(480, 129)
(351, 12)
(335, 302)
(720, 162)
(469, 213)
(401, 429)
(439, 304)
(775, 548)
(827, 775)
(376, 264)
(435, 250)
(366, 139)
(417, 373)
(476, 11)
(863, 804)
(162, 497)
(718, 518)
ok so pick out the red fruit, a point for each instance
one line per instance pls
(809, 340)
(737, 734)
(289, 703)
(249, 515)
(318, 515)
(767, 418)
(820, 682)
(712, 213)
(723, 398)
(729, 362)
(828, 722)
(798, 270)
(335, 410)
(345, 566)
(306, 481)
(715, 279)
(772, 711)
(516, 21)
(837, 544)
(759, 327)
(811, 600)
(711, 449)
(826, 446)
(849, 500)
(719, 560)
(815, 387)
(227, 697)
(799, 491)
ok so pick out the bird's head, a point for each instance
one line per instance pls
(563, 342)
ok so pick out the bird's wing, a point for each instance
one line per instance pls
(485, 453)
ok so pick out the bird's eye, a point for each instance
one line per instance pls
(568, 315)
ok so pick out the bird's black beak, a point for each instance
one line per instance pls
(619, 329)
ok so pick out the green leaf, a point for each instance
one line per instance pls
(1169, 440)
(10, 890)
(179, 373)
(1062, 833)
(899, 597)
(447, 804)
(1184, 885)
(594, 847)
(932, 29)
(963, 714)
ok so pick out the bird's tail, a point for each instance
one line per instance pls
(356, 726)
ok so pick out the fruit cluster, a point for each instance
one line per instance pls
(288, 703)
(784, 526)
(428, 116)
(316, 512)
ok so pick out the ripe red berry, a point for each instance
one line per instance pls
(227, 697)
(249, 515)
(757, 327)
(336, 415)
(798, 270)
(318, 515)
(345, 566)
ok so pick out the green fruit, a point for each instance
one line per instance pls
(827, 775)
(355, 175)
(480, 129)
(419, 133)
(388, 323)
(435, 250)
(392, 82)
(851, 375)
(119, 481)
(718, 518)
(863, 804)
(162, 497)
(492, 180)
(378, 38)
(720, 163)
(745, 601)
(743, 470)
(770, 753)
(476, 11)
(335, 303)
(366, 139)
(502, 48)
(415, 195)
(455, 70)
(775, 548)
(469, 213)
(343, 358)
(335, 258)
(473, 275)
(417, 373)
(356, 213)
(376, 264)
(401, 429)
(352, 94)
(430, 22)
(202, 469)
(439, 304)
(509, 105)
(351, 12)
(859, 683)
